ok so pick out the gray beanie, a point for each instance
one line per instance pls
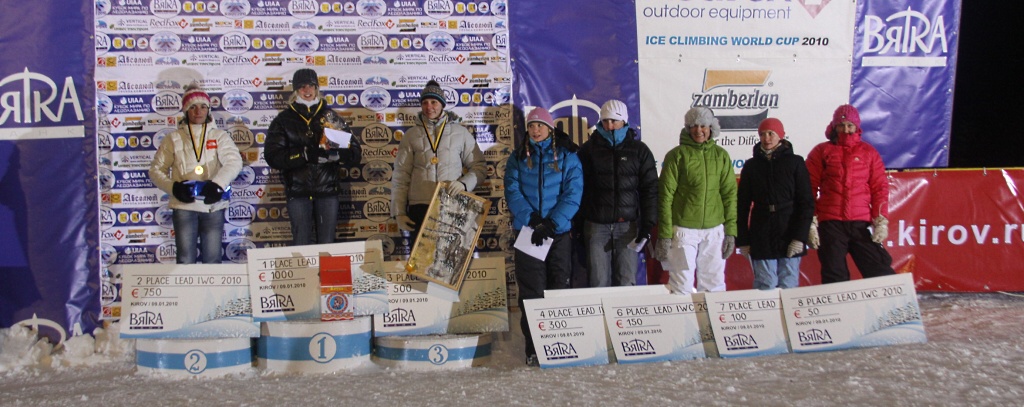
(433, 91)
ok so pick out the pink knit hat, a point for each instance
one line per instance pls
(540, 114)
(844, 113)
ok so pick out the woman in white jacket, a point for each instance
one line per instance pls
(198, 153)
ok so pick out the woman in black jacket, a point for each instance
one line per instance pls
(620, 197)
(775, 209)
(308, 161)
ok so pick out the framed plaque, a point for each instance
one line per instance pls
(448, 236)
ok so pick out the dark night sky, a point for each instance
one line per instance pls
(988, 111)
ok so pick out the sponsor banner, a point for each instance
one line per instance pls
(747, 322)
(186, 301)
(603, 69)
(903, 76)
(966, 244)
(48, 192)
(411, 308)
(801, 93)
(861, 313)
(653, 328)
(756, 60)
(244, 53)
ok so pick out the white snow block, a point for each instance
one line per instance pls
(433, 352)
(314, 346)
(193, 357)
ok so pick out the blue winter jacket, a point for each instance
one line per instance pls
(552, 194)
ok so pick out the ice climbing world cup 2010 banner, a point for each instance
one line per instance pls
(745, 60)
(373, 58)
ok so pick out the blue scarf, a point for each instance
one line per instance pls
(615, 137)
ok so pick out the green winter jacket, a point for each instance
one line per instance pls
(697, 188)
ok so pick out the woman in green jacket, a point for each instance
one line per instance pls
(697, 207)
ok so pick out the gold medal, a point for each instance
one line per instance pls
(199, 170)
(433, 160)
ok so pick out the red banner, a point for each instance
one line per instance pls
(956, 230)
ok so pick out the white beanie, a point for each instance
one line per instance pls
(615, 110)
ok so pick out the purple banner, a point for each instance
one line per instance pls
(571, 61)
(903, 76)
(48, 191)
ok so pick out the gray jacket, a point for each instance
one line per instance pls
(415, 177)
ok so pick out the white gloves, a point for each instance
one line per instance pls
(405, 223)
(455, 187)
(881, 229)
(795, 247)
(661, 252)
(728, 246)
(812, 236)
(745, 250)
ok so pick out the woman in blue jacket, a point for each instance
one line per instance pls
(543, 188)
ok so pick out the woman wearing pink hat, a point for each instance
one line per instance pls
(543, 188)
(848, 177)
(774, 208)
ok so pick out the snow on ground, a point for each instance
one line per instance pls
(974, 356)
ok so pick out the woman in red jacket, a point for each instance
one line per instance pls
(848, 178)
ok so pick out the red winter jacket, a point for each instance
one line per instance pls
(848, 178)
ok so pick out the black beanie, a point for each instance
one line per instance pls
(304, 76)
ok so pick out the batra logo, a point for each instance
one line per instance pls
(146, 320)
(373, 43)
(740, 342)
(277, 303)
(560, 350)
(35, 98)
(637, 347)
(814, 337)
(438, 9)
(399, 317)
(904, 33)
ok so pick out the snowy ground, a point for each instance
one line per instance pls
(974, 356)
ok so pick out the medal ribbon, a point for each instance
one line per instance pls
(197, 147)
(437, 138)
(310, 119)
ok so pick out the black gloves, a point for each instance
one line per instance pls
(545, 229)
(314, 153)
(642, 236)
(535, 220)
(182, 192)
(212, 193)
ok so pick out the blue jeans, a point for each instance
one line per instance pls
(607, 252)
(208, 227)
(772, 273)
(303, 211)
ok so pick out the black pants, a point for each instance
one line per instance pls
(841, 237)
(534, 276)
(416, 213)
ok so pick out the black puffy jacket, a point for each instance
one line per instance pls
(775, 196)
(620, 183)
(290, 137)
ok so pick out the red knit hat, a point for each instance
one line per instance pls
(194, 95)
(772, 124)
